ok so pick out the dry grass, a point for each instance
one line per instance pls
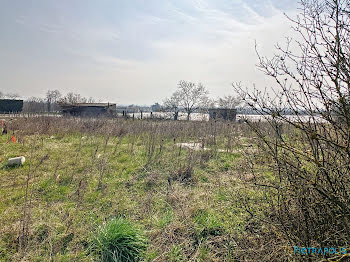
(82, 172)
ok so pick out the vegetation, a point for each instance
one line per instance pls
(189, 97)
(119, 240)
(80, 173)
(195, 191)
(309, 154)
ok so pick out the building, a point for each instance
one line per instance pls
(156, 107)
(222, 114)
(10, 106)
(89, 109)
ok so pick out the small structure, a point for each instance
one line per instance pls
(222, 114)
(156, 107)
(89, 109)
(10, 106)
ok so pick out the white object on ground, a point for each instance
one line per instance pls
(197, 147)
(16, 161)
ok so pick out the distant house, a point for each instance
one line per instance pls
(156, 107)
(222, 114)
(89, 109)
(10, 106)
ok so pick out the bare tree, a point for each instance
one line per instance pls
(173, 104)
(191, 96)
(72, 98)
(229, 101)
(34, 105)
(8, 95)
(90, 100)
(52, 96)
(11, 95)
(310, 152)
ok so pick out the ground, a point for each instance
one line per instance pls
(80, 173)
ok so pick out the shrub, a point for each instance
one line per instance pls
(308, 153)
(119, 240)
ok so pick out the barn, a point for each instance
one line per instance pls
(89, 109)
(10, 106)
(222, 114)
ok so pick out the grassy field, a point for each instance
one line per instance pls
(81, 173)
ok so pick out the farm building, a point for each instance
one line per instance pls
(222, 114)
(89, 109)
(10, 106)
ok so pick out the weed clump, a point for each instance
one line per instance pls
(119, 240)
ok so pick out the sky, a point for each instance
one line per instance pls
(136, 51)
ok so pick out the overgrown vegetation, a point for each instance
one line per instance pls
(80, 173)
(201, 191)
(307, 153)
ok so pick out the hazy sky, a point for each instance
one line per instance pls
(135, 51)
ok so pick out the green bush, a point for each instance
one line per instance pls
(119, 240)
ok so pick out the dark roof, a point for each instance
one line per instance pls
(220, 108)
(9, 99)
(94, 104)
(88, 105)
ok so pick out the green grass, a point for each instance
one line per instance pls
(176, 254)
(119, 240)
(83, 184)
(208, 223)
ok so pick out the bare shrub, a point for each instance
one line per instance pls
(308, 152)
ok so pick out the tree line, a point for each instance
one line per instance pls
(49, 103)
(189, 97)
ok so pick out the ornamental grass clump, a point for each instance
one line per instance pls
(119, 240)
